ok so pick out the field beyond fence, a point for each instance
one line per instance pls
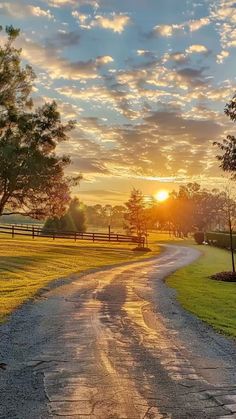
(35, 231)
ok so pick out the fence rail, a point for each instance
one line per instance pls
(36, 231)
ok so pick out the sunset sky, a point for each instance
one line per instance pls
(146, 80)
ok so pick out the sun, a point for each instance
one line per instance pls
(162, 195)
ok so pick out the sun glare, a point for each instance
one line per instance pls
(162, 195)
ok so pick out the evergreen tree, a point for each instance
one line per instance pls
(135, 216)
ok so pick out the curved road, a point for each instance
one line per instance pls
(115, 344)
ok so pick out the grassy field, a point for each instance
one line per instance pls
(28, 265)
(212, 301)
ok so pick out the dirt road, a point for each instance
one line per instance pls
(115, 344)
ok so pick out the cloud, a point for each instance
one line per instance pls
(85, 21)
(197, 48)
(57, 67)
(93, 93)
(195, 25)
(176, 57)
(116, 23)
(172, 29)
(145, 53)
(222, 56)
(21, 10)
(105, 59)
(89, 165)
(73, 3)
(166, 143)
(167, 30)
(223, 14)
(63, 39)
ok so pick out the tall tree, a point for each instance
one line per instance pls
(32, 180)
(228, 145)
(135, 216)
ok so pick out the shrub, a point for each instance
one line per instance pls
(224, 276)
(220, 240)
(199, 237)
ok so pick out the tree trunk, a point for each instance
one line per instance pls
(231, 244)
(3, 202)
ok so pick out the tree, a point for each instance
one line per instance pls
(32, 180)
(73, 220)
(135, 216)
(77, 214)
(228, 214)
(105, 216)
(228, 146)
(189, 209)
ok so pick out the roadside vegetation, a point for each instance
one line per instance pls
(212, 301)
(26, 266)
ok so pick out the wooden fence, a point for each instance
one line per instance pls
(37, 231)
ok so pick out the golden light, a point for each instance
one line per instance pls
(162, 195)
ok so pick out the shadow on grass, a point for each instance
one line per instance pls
(18, 263)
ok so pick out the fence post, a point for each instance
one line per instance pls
(12, 231)
(33, 232)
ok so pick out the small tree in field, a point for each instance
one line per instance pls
(135, 216)
(228, 164)
(228, 213)
(32, 180)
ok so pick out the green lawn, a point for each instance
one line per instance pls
(212, 301)
(26, 265)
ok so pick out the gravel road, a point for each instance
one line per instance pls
(115, 344)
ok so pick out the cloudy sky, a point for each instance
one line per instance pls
(146, 80)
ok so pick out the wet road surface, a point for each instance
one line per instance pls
(115, 344)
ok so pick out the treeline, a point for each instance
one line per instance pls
(105, 215)
(190, 209)
(79, 217)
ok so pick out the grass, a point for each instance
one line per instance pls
(212, 301)
(28, 265)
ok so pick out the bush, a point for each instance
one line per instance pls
(142, 249)
(199, 237)
(220, 240)
(224, 276)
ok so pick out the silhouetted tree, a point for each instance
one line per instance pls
(228, 145)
